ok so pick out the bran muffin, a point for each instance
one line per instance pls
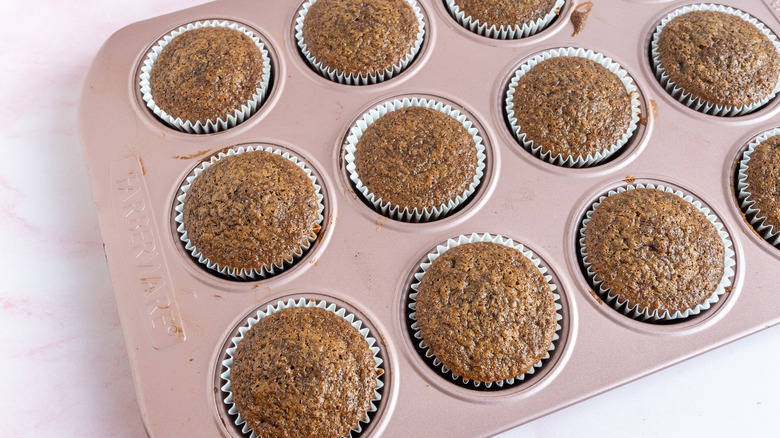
(352, 40)
(760, 184)
(208, 77)
(303, 372)
(250, 213)
(654, 251)
(504, 19)
(717, 59)
(416, 158)
(571, 110)
(486, 312)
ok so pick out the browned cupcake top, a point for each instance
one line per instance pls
(719, 58)
(251, 210)
(206, 73)
(505, 13)
(416, 157)
(485, 311)
(571, 106)
(655, 250)
(303, 372)
(360, 36)
(763, 179)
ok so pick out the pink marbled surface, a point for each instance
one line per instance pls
(65, 370)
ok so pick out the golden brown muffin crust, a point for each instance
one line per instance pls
(571, 106)
(485, 311)
(654, 249)
(206, 73)
(251, 210)
(719, 58)
(506, 13)
(416, 157)
(360, 37)
(763, 179)
(303, 372)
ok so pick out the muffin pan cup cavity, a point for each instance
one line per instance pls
(230, 119)
(254, 273)
(504, 32)
(686, 97)
(424, 349)
(635, 310)
(396, 211)
(753, 214)
(352, 78)
(301, 302)
(572, 161)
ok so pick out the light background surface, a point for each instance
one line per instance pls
(63, 364)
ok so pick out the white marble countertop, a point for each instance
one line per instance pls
(63, 364)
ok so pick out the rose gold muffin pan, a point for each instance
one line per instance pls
(178, 317)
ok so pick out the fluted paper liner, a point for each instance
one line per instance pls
(460, 240)
(504, 32)
(572, 161)
(695, 102)
(302, 302)
(242, 273)
(403, 213)
(644, 313)
(232, 118)
(352, 78)
(753, 214)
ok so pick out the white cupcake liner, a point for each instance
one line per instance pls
(635, 310)
(503, 32)
(559, 159)
(685, 97)
(220, 124)
(753, 214)
(352, 78)
(395, 211)
(265, 271)
(302, 302)
(460, 240)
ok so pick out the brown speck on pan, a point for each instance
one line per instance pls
(629, 179)
(579, 16)
(220, 296)
(143, 169)
(596, 297)
(654, 108)
(255, 286)
(191, 359)
(191, 156)
(728, 289)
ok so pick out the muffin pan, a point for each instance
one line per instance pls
(178, 317)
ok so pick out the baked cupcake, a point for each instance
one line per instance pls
(655, 253)
(572, 107)
(206, 77)
(504, 19)
(301, 369)
(484, 310)
(359, 42)
(716, 60)
(415, 159)
(759, 185)
(250, 213)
